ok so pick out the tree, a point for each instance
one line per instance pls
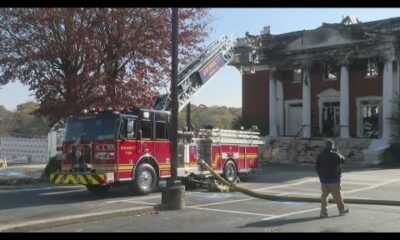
(78, 58)
(216, 116)
(243, 121)
(23, 123)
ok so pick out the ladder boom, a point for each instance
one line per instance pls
(193, 76)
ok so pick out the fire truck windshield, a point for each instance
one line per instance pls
(91, 128)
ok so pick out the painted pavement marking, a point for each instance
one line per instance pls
(229, 211)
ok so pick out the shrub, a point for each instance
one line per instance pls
(392, 154)
(52, 166)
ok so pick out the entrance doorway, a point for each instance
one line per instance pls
(293, 116)
(329, 112)
(331, 119)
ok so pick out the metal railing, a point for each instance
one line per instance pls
(293, 143)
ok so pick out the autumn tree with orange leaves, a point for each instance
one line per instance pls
(77, 58)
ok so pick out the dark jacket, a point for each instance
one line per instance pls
(328, 166)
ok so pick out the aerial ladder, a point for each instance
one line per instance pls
(195, 75)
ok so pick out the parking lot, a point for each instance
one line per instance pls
(224, 211)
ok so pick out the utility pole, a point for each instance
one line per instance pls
(188, 123)
(174, 96)
(174, 195)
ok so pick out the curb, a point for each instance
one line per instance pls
(22, 181)
(74, 219)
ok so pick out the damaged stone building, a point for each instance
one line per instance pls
(337, 81)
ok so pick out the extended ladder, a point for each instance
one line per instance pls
(193, 76)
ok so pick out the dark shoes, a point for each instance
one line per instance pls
(345, 212)
(323, 215)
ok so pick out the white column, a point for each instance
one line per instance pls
(279, 107)
(344, 102)
(396, 83)
(387, 95)
(272, 106)
(306, 103)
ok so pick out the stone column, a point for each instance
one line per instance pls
(306, 103)
(387, 96)
(344, 101)
(272, 106)
(279, 108)
(396, 79)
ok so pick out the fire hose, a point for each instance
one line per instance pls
(234, 188)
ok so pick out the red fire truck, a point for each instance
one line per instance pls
(105, 148)
(113, 147)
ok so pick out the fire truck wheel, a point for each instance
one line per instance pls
(98, 189)
(230, 172)
(145, 179)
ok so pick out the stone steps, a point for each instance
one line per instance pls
(301, 150)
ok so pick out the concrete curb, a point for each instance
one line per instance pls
(22, 181)
(74, 219)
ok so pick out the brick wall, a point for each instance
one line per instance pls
(255, 90)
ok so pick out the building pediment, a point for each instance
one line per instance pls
(329, 93)
(325, 36)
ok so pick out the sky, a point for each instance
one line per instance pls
(225, 88)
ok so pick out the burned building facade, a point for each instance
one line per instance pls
(337, 80)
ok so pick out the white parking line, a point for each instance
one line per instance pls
(371, 187)
(63, 192)
(286, 185)
(133, 199)
(40, 189)
(229, 211)
(217, 203)
(294, 213)
(334, 205)
(357, 182)
(144, 198)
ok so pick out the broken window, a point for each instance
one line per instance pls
(331, 73)
(370, 118)
(297, 75)
(372, 69)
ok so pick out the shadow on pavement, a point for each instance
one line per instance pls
(280, 222)
(48, 195)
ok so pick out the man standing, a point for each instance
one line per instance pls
(329, 172)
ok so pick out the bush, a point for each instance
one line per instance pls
(242, 121)
(52, 166)
(391, 154)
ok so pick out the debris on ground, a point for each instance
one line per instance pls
(215, 186)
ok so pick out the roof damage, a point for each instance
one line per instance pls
(331, 42)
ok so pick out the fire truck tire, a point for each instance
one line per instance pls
(145, 179)
(230, 172)
(98, 189)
